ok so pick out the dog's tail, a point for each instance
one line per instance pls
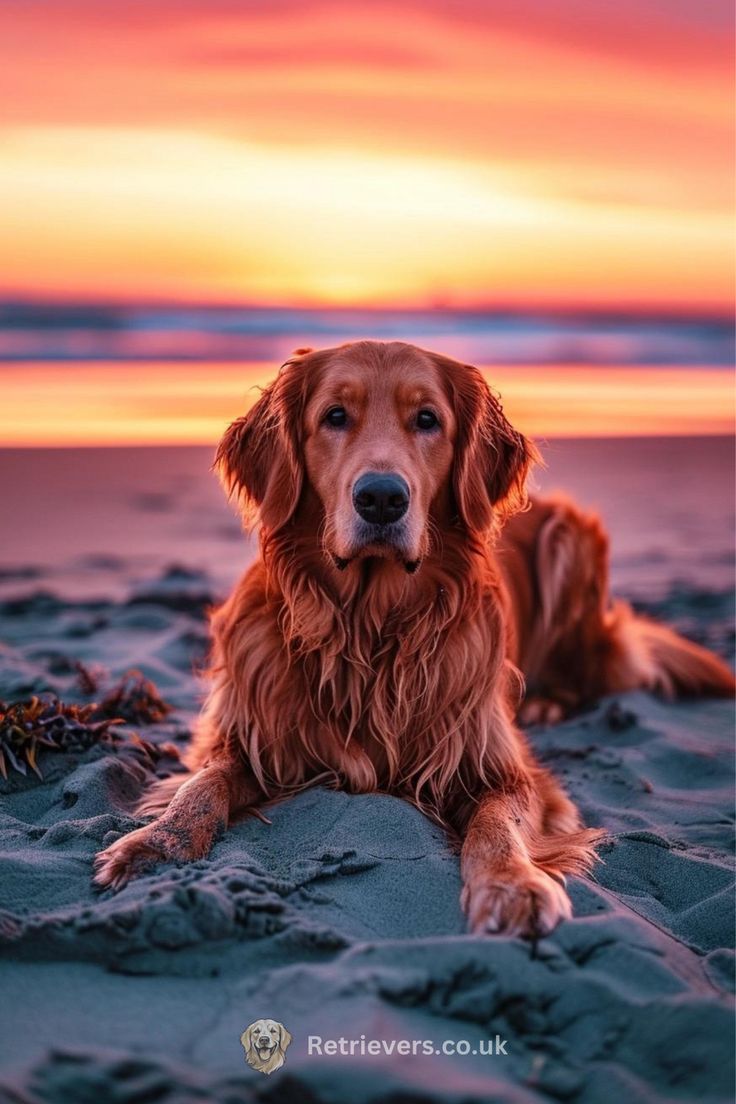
(158, 797)
(654, 657)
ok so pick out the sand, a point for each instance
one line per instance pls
(341, 917)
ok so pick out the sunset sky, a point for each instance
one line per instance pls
(160, 403)
(474, 152)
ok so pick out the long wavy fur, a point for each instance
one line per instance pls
(402, 683)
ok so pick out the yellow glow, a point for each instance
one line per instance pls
(212, 218)
(163, 403)
(483, 152)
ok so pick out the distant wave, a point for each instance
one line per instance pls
(51, 332)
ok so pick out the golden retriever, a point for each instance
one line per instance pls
(265, 1043)
(367, 648)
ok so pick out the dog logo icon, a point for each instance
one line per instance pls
(265, 1043)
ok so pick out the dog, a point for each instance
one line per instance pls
(370, 645)
(265, 1043)
(571, 641)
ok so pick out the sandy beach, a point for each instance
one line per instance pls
(341, 917)
(194, 195)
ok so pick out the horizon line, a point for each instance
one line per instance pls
(724, 312)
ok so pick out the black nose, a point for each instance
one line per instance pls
(381, 497)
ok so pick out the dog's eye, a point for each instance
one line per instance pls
(337, 417)
(427, 419)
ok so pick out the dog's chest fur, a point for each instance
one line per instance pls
(387, 699)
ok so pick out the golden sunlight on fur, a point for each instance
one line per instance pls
(369, 647)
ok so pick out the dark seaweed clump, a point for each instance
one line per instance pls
(45, 723)
(136, 700)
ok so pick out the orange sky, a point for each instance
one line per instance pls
(192, 403)
(515, 151)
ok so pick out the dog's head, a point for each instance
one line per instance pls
(265, 1043)
(378, 444)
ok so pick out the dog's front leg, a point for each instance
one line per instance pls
(516, 852)
(196, 815)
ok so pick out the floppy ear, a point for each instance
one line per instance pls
(259, 457)
(492, 459)
(245, 1041)
(285, 1038)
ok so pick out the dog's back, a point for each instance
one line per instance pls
(572, 643)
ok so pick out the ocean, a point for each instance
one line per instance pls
(32, 331)
(111, 375)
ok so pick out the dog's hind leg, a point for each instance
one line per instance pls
(196, 814)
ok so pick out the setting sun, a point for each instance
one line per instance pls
(213, 153)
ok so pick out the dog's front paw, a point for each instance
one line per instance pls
(529, 903)
(135, 854)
